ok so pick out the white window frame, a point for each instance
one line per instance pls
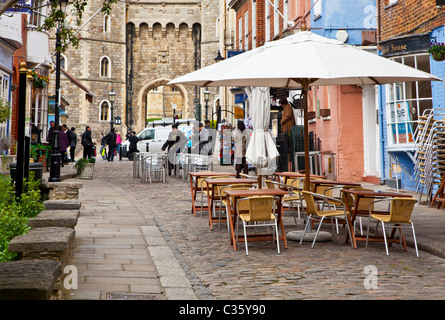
(253, 24)
(108, 75)
(285, 14)
(267, 15)
(246, 31)
(318, 7)
(276, 18)
(401, 124)
(108, 111)
(5, 84)
(240, 34)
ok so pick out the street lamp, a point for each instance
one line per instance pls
(206, 99)
(219, 57)
(117, 120)
(54, 174)
(111, 96)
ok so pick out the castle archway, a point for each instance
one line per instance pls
(156, 100)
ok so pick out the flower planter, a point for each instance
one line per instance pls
(87, 172)
(325, 112)
(311, 115)
(438, 56)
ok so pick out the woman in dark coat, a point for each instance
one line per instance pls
(63, 140)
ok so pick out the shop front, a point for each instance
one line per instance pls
(401, 105)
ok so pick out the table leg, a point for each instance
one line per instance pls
(193, 191)
(231, 222)
(280, 221)
(210, 204)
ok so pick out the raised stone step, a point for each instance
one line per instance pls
(28, 279)
(52, 239)
(55, 218)
(62, 204)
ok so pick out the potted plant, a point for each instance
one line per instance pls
(39, 81)
(437, 51)
(85, 168)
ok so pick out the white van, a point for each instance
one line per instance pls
(152, 139)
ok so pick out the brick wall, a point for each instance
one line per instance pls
(408, 17)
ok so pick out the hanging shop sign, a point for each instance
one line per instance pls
(405, 45)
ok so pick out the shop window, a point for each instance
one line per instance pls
(405, 102)
(104, 111)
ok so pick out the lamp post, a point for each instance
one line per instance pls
(54, 174)
(111, 96)
(206, 99)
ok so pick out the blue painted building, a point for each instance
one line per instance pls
(344, 19)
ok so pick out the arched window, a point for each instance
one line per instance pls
(105, 67)
(107, 23)
(104, 111)
(63, 62)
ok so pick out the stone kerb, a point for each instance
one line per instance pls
(54, 243)
(55, 218)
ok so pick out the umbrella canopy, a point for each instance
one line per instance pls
(302, 60)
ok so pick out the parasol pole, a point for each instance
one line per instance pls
(305, 87)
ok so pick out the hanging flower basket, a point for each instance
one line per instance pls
(39, 81)
(437, 51)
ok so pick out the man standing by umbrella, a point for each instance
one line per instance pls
(287, 118)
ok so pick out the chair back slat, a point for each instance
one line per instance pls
(261, 207)
(402, 209)
(310, 203)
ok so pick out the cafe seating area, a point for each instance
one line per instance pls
(242, 206)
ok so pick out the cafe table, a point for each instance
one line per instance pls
(238, 194)
(354, 212)
(293, 175)
(213, 183)
(194, 180)
(332, 183)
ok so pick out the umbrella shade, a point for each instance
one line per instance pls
(302, 60)
(304, 55)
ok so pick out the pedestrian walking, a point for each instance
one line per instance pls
(63, 145)
(87, 143)
(118, 142)
(73, 143)
(103, 149)
(69, 137)
(204, 144)
(175, 143)
(240, 142)
(133, 145)
(111, 139)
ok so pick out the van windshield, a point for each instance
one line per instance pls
(147, 135)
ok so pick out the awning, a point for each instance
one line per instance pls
(90, 95)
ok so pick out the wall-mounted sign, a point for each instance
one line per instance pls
(405, 45)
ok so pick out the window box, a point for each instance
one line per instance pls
(311, 115)
(325, 112)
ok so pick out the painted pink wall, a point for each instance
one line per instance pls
(342, 134)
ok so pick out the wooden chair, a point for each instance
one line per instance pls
(261, 209)
(400, 213)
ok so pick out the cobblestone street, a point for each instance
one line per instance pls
(331, 270)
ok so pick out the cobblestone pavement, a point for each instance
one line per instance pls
(331, 270)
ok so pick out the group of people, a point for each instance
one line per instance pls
(66, 140)
(113, 140)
